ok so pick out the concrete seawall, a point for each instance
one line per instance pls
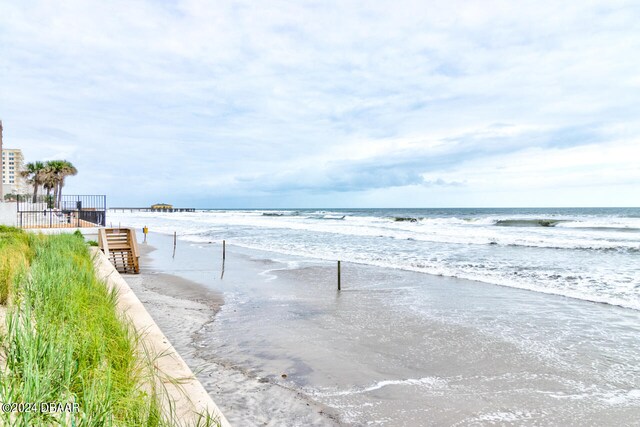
(189, 395)
(8, 213)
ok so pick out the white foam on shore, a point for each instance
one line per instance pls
(501, 417)
(622, 398)
(426, 382)
(586, 258)
(437, 230)
(269, 273)
(611, 398)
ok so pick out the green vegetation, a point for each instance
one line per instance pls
(14, 197)
(50, 175)
(15, 253)
(64, 341)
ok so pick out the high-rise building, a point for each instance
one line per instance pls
(12, 165)
(1, 165)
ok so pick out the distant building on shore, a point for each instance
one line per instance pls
(12, 165)
(1, 164)
(161, 206)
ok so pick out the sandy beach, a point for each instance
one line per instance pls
(430, 211)
(183, 308)
(393, 348)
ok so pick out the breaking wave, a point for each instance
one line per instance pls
(528, 222)
(586, 256)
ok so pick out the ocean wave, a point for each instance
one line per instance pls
(405, 219)
(528, 222)
(604, 258)
(618, 229)
(332, 216)
(280, 213)
(613, 225)
(451, 231)
(607, 247)
(594, 287)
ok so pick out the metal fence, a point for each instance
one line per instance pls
(70, 212)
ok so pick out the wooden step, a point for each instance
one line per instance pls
(121, 247)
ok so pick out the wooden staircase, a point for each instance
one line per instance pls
(121, 247)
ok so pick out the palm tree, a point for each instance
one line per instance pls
(67, 169)
(50, 179)
(34, 172)
(55, 169)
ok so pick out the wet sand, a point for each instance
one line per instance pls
(182, 308)
(392, 348)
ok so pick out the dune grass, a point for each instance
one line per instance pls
(64, 341)
(15, 254)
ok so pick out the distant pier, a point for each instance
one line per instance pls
(147, 209)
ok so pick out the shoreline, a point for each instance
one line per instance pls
(184, 400)
(397, 347)
(183, 309)
(590, 258)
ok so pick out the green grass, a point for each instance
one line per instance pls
(15, 254)
(65, 342)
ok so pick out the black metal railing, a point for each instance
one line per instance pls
(70, 211)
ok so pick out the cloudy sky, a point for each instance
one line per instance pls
(329, 103)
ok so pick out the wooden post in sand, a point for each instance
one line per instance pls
(174, 244)
(224, 255)
(338, 275)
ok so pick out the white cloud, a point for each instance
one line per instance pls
(306, 100)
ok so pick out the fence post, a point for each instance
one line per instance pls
(79, 208)
(338, 275)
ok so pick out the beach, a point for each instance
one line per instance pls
(274, 343)
(183, 309)
(348, 213)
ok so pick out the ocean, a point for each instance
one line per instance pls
(585, 253)
(446, 316)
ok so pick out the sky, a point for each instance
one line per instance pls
(248, 104)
